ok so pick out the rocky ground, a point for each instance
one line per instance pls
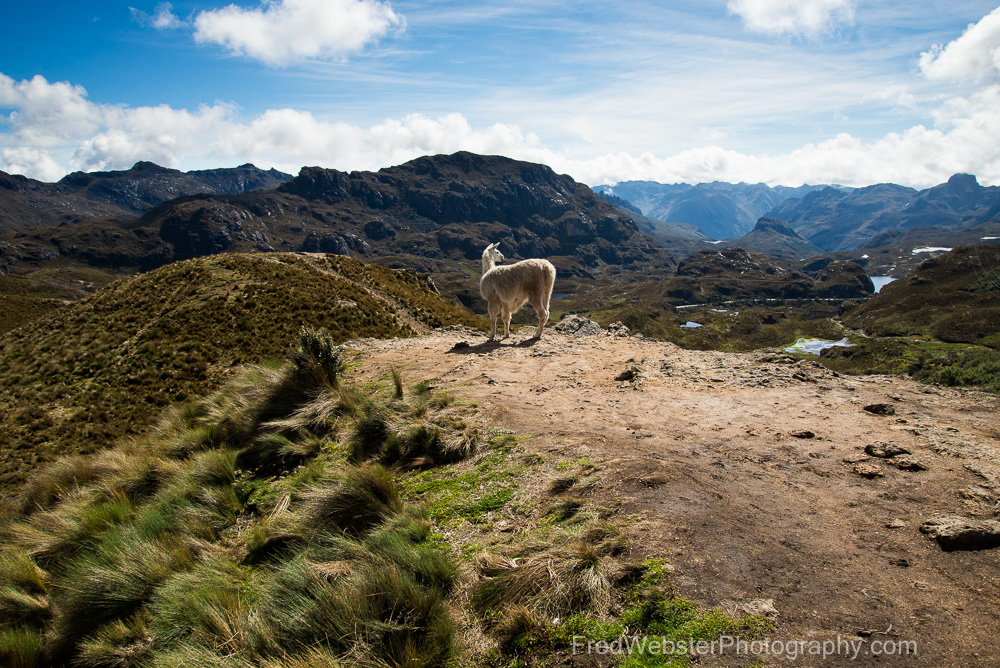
(769, 484)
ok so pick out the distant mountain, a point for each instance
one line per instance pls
(772, 238)
(733, 273)
(117, 194)
(435, 214)
(839, 220)
(677, 237)
(719, 210)
(243, 179)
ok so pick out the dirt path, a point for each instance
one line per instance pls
(741, 469)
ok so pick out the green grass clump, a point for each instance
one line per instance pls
(257, 544)
(537, 612)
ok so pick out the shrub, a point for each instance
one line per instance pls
(975, 367)
(317, 360)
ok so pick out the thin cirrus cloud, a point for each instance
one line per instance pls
(163, 17)
(975, 55)
(287, 31)
(794, 17)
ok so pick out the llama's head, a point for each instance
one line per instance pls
(492, 255)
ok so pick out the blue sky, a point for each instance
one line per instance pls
(779, 91)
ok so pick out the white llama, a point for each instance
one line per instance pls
(506, 288)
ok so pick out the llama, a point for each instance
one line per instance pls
(506, 288)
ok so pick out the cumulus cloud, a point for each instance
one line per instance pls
(975, 55)
(794, 17)
(44, 114)
(53, 128)
(284, 31)
(33, 162)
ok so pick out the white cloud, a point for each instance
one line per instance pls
(285, 31)
(45, 114)
(796, 17)
(33, 162)
(54, 128)
(163, 19)
(975, 55)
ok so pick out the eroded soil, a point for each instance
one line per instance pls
(743, 471)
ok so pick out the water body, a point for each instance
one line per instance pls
(930, 249)
(814, 346)
(691, 324)
(881, 281)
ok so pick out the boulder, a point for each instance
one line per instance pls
(575, 325)
(955, 532)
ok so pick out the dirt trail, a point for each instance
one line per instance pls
(741, 470)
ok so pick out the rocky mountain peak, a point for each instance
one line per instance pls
(766, 224)
(964, 183)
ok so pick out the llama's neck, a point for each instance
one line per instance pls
(488, 263)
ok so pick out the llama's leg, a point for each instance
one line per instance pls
(506, 322)
(542, 311)
(494, 312)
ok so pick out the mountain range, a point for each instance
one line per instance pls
(838, 220)
(123, 194)
(719, 210)
(435, 214)
(831, 218)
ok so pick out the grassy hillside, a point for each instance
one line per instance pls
(954, 297)
(292, 520)
(24, 298)
(104, 367)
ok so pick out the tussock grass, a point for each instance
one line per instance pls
(21, 647)
(353, 501)
(555, 583)
(232, 535)
(49, 485)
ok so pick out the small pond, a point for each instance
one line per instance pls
(813, 346)
(881, 281)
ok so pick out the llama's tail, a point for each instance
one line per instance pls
(550, 281)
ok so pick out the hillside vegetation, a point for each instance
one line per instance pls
(103, 367)
(290, 519)
(954, 297)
